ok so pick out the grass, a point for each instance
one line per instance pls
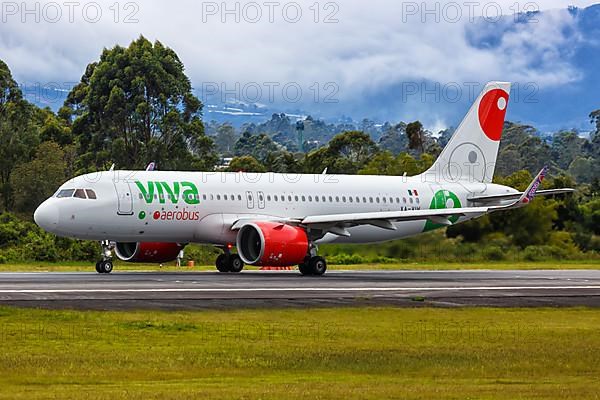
(348, 353)
(409, 265)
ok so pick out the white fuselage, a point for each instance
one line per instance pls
(184, 207)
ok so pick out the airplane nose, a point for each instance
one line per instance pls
(46, 216)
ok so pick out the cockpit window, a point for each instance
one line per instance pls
(65, 193)
(91, 194)
(80, 194)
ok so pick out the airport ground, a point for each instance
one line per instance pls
(410, 265)
(321, 353)
(411, 333)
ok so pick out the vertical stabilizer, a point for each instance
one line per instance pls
(471, 153)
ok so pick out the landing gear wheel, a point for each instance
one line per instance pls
(104, 267)
(222, 264)
(317, 265)
(304, 269)
(236, 265)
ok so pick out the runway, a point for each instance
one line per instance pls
(201, 290)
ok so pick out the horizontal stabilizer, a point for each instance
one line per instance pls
(517, 195)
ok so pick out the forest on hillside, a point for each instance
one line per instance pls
(135, 105)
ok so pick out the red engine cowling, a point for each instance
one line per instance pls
(148, 252)
(272, 244)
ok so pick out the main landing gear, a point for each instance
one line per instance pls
(313, 266)
(105, 265)
(228, 262)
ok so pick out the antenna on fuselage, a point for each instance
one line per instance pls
(151, 166)
(324, 171)
(112, 167)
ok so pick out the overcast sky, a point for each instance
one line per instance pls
(361, 46)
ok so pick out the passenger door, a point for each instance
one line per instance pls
(124, 197)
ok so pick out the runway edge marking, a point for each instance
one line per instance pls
(336, 289)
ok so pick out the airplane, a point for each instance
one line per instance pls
(281, 219)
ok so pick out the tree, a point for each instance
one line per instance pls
(566, 145)
(19, 125)
(530, 225)
(246, 164)
(258, 146)
(347, 153)
(36, 180)
(136, 105)
(415, 134)
(225, 139)
(394, 139)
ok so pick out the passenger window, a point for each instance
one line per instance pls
(80, 194)
(364, 199)
(310, 198)
(357, 199)
(303, 198)
(351, 199)
(343, 199)
(330, 199)
(65, 193)
(317, 199)
(268, 197)
(324, 199)
(92, 195)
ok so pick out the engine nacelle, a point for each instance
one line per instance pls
(272, 244)
(147, 252)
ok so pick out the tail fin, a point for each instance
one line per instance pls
(471, 153)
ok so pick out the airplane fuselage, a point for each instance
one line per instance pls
(184, 207)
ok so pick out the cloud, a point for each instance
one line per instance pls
(373, 45)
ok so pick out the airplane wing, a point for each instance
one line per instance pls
(379, 218)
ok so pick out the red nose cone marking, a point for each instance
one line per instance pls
(492, 110)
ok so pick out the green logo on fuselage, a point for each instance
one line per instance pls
(441, 200)
(161, 191)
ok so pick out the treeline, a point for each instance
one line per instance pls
(135, 105)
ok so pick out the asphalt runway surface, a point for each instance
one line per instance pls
(255, 289)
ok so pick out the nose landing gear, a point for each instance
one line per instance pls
(105, 265)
